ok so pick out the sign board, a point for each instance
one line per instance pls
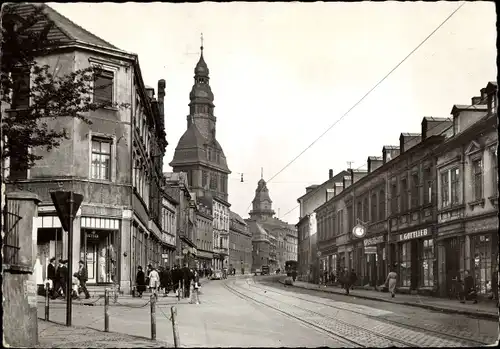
(164, 256)
(374, 241)
(414, 235)
(92, 236)
(370, 249)
(30, 289)
(61, 200)
(359, 231)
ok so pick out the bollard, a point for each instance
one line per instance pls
(47, 302)
(106, 310)
(173, 313)
(153, 317)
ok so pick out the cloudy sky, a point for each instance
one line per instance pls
(282, 73)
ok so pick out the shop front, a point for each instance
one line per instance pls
(374, 260)
(415, 260)
(99, 244)
(168, 250)
(204, 259)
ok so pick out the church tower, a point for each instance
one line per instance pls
(262, 205)
(198, 152)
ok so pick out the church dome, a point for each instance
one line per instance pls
(201, 93)
(201, 68)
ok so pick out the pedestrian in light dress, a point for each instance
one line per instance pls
(391, 282)
(154, 281)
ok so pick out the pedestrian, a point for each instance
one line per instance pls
(51, 276)
(154, 281)
(186, 278)
(347, 281)
(62, 276)
(148, 271)
(168, 280)
(325, 277)
(140, 281)
(391, 282)
(82, 277)
(294, 275)
(175, 280)
(161, 273)
(353, 278)
(468, 290)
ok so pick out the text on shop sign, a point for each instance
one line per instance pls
(413, 234)
(374, 241)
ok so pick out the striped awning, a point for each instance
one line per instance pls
(47, 222)
(100, 223)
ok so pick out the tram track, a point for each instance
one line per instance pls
(447, 336)
(334, 327)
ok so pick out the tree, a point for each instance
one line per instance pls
(48, 96)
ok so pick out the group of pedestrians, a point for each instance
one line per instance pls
(177, 280)
(57, 277)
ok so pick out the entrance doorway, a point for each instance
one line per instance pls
(452, 250)
(98, 253)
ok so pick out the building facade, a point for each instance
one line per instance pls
(169, 230)
(467, 195)
(240, 244)
(260, 245)
(221, 220)
(113, 162)
(315, 196)
(204, 234)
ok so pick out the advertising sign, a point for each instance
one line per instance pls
(413, 235)
(371, 250)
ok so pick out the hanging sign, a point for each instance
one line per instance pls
(359, 231)
(374, 241)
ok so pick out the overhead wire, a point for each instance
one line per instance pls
(366, 94)
(480, 102)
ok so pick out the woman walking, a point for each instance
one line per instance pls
(140, 281)
(391, 282)
(154, 281)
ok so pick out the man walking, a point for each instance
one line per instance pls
(186, 278)
(82, 277)
(62, 276)
(51, 275)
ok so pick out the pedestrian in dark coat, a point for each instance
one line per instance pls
(51, 275)
(140, 281)
(168, 280)
(346, 281)
(186, 278)
(82, 276)
(353, 278)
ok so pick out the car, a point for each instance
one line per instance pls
(257, 272)
(217, 275)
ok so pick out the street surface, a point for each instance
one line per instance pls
(256, 312)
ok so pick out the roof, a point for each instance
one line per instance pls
(64, 31)
(461, 107)
(235, 216)
(390, 147)
(433, 119)
(376, 158)
(334, 179)
(408, 134)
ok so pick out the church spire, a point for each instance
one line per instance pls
(201, 70)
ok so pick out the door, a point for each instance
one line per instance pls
(452, 267)
(92, 262)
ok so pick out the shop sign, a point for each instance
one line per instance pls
(371, 250)
(92, 236)
(374, 241)
(164, 255)
(414, 234)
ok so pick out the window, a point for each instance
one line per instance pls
(381, 205)
(415, 190)
(394, 198)
(481, 265)
(427, 186)
(494, 174)
(454, 184)
(365, 209)
(359, 211)
(101, 159)
(103, 87)
(204, 179)
(405, 264)
(213, 181)
(340, 221)
(404, 195)
(427, 264)
(350, 219)
(445, 189)
(190, 177)
(374, 207)
(21, 87)
(477, 173)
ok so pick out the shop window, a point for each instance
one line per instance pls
(477, 173)
(99, 250)
(381, 205)
(405, 264)
(415, 189)
(374, 207)
(481, 264)
(101, 159)
(426, 264)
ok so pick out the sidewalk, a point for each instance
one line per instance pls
(485, 309)
(54, 335)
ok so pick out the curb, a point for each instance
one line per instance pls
(481, 315)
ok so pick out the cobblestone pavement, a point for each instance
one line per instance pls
(52, 335)
(221, 320)
(423, 321)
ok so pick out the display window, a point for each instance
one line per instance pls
(405, 264)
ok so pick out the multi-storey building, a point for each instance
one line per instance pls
(291, 245)
(204, 233)
(169, 229)
(467, 229)
(240, 244)
(177, 187)
(260, 245)
(315, 196)
(113, 162)
(221, 233)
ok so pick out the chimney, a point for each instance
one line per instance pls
(476, 100)
(161, 96)
(408, 140)
(484, 95)
(150, 92)
(435, 126)
(330, 174)
(374, 162)
(389, 152)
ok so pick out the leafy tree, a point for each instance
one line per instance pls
(48, 96)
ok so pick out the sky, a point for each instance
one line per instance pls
(283, 73)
